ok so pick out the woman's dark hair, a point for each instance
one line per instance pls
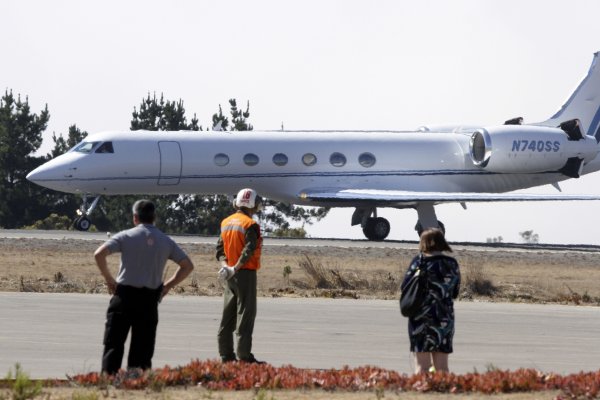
(433, 239)
(145, 211)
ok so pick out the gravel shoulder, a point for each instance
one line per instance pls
(539, 276)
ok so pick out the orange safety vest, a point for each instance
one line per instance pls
(233, 230)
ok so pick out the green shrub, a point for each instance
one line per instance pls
(53, 222)
(23, 388)
(289, 232)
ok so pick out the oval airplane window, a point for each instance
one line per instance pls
(280, 159)
(309, 159)
(337, 159)
(221, 159)
(250, 159)
(366, 160)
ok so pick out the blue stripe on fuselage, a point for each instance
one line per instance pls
(594, 125)
(287, 175)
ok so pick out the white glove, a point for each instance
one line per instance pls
(225, 273)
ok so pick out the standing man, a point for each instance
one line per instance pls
(238, 251)
(138, 288)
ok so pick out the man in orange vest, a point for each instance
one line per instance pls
(238, 251)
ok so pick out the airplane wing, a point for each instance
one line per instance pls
(400, 197)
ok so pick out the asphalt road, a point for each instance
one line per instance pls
(53, 335)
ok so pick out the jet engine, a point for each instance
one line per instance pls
(531, 149)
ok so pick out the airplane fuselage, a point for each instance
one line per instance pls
(279, 165)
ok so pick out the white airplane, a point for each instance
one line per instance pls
(361, 169)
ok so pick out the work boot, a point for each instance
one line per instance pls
(228, 358)
(252, 360)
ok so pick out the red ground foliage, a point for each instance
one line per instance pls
(214, 375)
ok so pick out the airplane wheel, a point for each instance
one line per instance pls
(83, 223)
(377, 229)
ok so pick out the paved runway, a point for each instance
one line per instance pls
(309, 242)
(52, 335)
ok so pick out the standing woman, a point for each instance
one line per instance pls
(432, 328)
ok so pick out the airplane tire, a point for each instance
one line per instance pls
(83, 224)
(377, 229)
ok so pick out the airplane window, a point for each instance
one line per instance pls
(85, 147)
(250, 159)
(309, 159)
(105, 147)
(280, 159)
(337, 159)
(366, 160)
(221, 159)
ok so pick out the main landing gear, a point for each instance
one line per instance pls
(377, 228)
(83, 222)
(374, 228)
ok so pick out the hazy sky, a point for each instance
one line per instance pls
(318, 64)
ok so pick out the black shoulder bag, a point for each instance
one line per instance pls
(414, 291)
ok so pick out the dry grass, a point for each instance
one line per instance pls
(476, 282)
(494, 275)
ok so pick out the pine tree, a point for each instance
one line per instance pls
(219, 121)
(61, 145)
(239, 118)
(158, 115)
(20, 137)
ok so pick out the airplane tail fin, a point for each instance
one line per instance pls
(583, 104)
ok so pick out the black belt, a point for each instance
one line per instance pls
(126, 290)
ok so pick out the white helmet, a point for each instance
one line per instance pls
(248, 198)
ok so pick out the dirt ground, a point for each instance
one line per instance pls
(569, 277)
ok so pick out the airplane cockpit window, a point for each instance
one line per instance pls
(221, 159)
(85, 147)
(250, 159)
(366, 160)
(105, 147)
(280, 159)
(337, 159)
(309, 159)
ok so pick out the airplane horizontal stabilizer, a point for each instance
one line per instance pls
(407, 198)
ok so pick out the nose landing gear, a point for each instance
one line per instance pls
(83, 222)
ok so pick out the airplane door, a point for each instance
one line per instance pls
(170, 163)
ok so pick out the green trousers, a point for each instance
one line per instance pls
(239, 312)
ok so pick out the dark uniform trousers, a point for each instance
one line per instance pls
(136, 309)
(239, 313)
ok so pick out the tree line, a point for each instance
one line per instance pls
(24, 204)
